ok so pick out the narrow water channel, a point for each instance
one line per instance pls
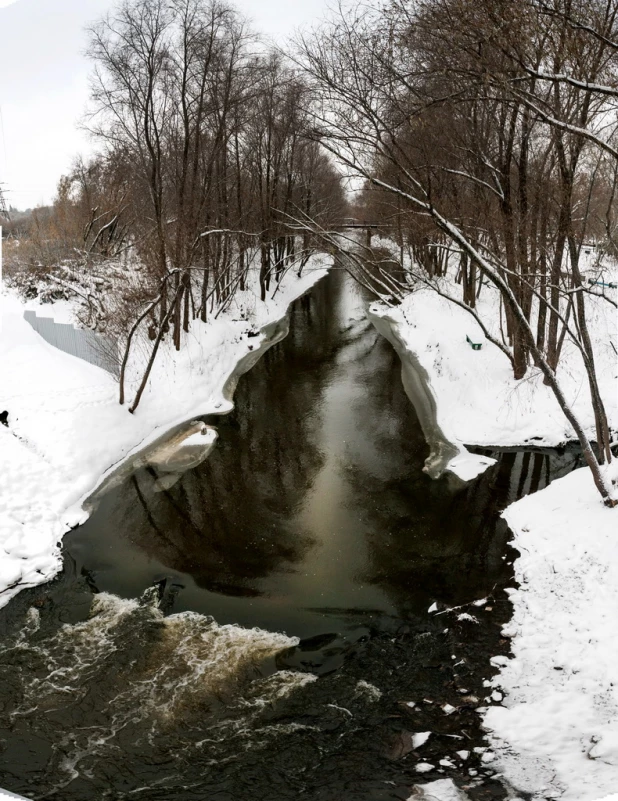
(260, 631)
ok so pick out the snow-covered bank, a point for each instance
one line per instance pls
(67, 431)
(478, 400)
(447, 452)
(557, 734)
(6, 796)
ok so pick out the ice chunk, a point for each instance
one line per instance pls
(420, 738)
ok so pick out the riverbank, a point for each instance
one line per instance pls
(312, 517)
(478, 400)
(67, 431)
(556, 733)
(447, 451)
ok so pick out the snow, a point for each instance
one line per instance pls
(185, 450)
(464, 616)
(558, 729)
(447, 450)
(556, 732)
(441, 790)
(478, 401)
(6, 796)
(420, 738)
(469, 465)
(67, 431)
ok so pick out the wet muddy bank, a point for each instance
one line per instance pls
(313, 522)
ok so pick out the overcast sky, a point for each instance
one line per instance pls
(44, 87)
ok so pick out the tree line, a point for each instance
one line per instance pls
(207, 131)
(485, 135)
(482, 135)
(202, 159)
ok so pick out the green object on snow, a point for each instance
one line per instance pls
(473, 345)
(610, 284)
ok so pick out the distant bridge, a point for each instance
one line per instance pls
(354, 225)
(363, 225)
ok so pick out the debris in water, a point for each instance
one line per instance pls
(470, 618)
(441, 790)
(367, 690)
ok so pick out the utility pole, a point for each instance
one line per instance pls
(4, 212)
(4, 215)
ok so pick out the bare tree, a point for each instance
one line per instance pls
(427, 104)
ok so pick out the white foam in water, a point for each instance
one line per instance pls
(151, 676)
(195, 652)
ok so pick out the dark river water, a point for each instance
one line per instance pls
(261, 630)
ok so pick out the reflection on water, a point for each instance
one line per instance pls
(311, 517)
(314, 496)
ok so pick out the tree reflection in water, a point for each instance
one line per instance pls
(314, 495)
(311, 516)
(441, 539)
(232, 520)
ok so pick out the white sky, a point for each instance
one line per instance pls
(44, 88)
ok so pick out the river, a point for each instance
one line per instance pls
(261, 630)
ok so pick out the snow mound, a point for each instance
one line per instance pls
(441, 790)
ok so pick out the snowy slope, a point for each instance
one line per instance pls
(479, 402)
(557, 733)
(67, 428)
(447, 450)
